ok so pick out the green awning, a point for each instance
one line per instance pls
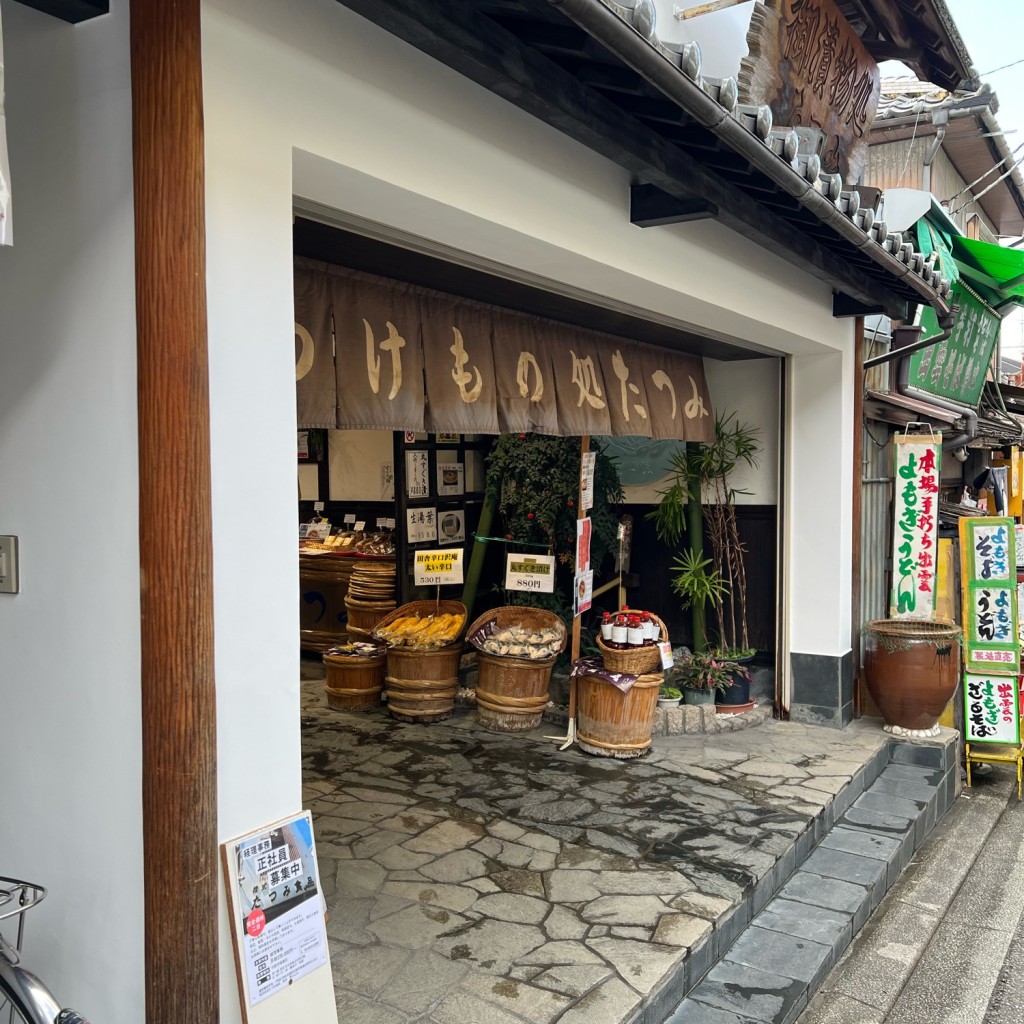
(994, 268)
(933, 237)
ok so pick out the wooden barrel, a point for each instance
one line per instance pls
(511, 693)
(354, 684)
(616, 724)
(421, 685)
(364, 615)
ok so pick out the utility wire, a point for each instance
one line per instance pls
(1012, 64)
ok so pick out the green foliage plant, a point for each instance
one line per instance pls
(535, 479)
(706, 671)
(701, 496)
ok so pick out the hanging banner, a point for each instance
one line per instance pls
(955, 369)
(409, 358)
(989, 582)
(378, 352)
(915, 534)
(315, 390)
(991, 709)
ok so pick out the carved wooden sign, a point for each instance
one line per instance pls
(807, 64)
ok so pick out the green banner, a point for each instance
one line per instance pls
(955, 368)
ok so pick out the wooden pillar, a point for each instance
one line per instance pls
(178, 702)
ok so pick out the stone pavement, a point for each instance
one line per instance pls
(481, 878)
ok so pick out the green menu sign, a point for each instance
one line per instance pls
(955, 368)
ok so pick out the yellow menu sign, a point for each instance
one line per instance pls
(438, 568)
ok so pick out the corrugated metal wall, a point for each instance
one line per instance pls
(875, 532)
(888, 167)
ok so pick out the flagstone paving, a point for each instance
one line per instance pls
(482, 878)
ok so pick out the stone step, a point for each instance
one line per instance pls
(767, 963)
(963, 892)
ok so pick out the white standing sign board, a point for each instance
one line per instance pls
(276, 910)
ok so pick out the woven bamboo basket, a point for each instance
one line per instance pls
(637, 661)
(512, 693)
(354, 683)
(613, 723)
(424, 608)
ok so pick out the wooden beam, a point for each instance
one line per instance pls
(493, 57)
(650, 207)
(179, 805)
(843, 306)
(74, 11)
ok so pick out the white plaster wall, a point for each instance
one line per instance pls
(70, 753)
(819, 495)
(357, 461)
(308, 98)
(750, 389)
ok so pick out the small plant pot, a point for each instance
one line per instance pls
(669, 702)
(691, 696)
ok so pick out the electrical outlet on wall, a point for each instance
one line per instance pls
(8, 565)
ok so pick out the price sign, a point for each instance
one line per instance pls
(438, 568)
(535, 573)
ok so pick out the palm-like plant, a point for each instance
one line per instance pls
(700, 492)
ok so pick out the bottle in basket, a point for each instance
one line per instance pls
(618, 640)
(634, 632)
(606, 627)
(648, 627)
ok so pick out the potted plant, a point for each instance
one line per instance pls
(702, 674)
(669, 697)
(701, 498)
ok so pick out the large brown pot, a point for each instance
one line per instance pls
(911, 670)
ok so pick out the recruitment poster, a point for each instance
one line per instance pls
(277, 908)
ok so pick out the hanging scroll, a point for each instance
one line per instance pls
(916, 524)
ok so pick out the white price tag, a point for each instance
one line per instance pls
(318, 506)
(667, 661)
(349, 519)
(360, 526)
(438, 568)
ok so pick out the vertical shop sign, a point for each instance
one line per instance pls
(989, 595)
(956, 368)
(991, 709)
(915, 533)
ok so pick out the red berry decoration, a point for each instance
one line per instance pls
(508, 536)
(571, 502)
(529, 515)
